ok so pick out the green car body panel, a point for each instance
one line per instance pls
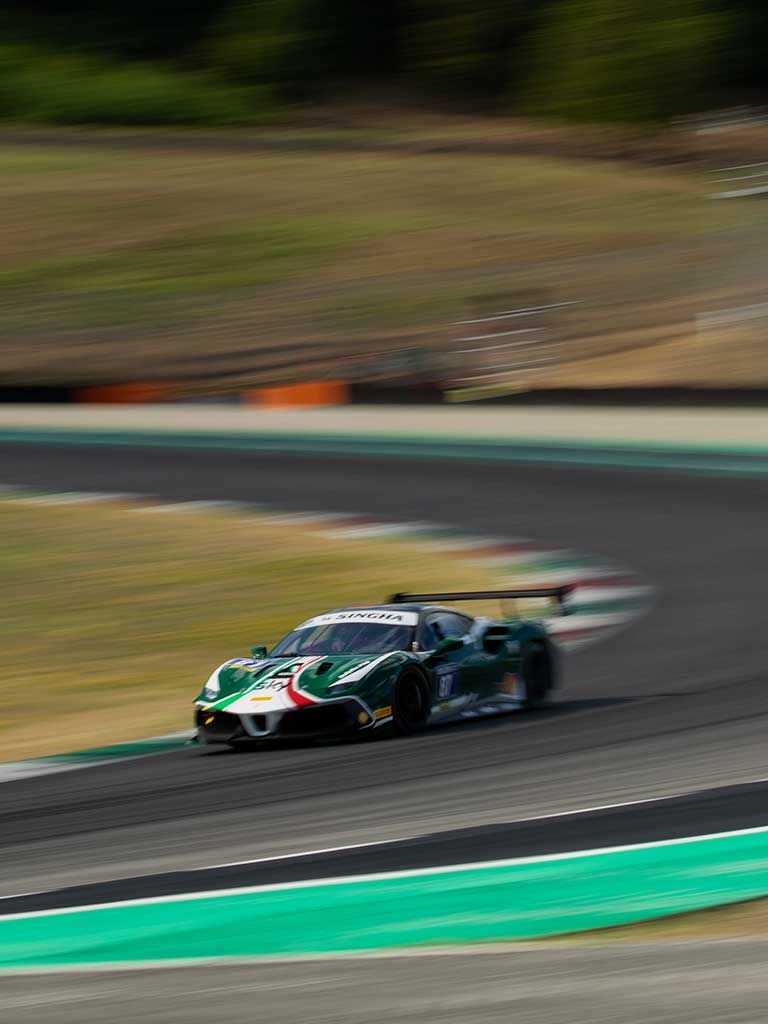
(483, 671)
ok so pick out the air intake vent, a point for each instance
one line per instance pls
(323, 667)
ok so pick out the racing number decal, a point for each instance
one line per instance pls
(447, 682)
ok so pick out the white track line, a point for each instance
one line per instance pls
(404, 839)
(386, 876)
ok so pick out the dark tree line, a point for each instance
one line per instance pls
(574, 58)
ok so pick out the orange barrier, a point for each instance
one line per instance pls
(127, 394)
(308, 393)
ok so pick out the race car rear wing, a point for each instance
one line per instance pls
(560, 594)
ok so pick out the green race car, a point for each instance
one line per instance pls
(401, 665)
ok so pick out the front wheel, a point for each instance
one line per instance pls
(410, 704)
(538, 675)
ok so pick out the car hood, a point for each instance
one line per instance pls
(269, 683)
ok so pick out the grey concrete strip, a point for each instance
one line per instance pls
(639, 425)
(669, 983)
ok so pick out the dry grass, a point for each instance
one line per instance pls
(740, 920)
(114, 617)
(125, 257)
(160, 259)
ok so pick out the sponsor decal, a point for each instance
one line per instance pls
(511, 684)
(209, 719)
(377, 615)
(276, 683)
(446, 682)
(243, 667)
(254, 699)
(383, 713)
(282, 675)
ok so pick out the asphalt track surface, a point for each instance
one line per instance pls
(675, 703)
(733, 808)
(680, 983)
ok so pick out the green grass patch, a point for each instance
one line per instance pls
(71, 89)
(118, 616)
(175, 264)
(142, 242)
(179, 274)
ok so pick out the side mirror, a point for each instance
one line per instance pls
(448, 644)
(259, 652)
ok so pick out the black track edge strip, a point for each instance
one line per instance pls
(733, 808)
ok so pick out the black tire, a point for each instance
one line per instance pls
(538, 675)
(410, 704)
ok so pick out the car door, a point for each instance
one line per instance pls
(462, 676)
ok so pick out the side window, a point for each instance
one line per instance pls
(429, 635)
(453, 624)
(440, 625)
(450, 624)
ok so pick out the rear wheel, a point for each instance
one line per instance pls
(410, 705)
(538, 675)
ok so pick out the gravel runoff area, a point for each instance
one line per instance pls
(691, 426)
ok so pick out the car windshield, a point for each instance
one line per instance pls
(346, 638)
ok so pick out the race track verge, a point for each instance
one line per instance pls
(676, 699)
(498, 901)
